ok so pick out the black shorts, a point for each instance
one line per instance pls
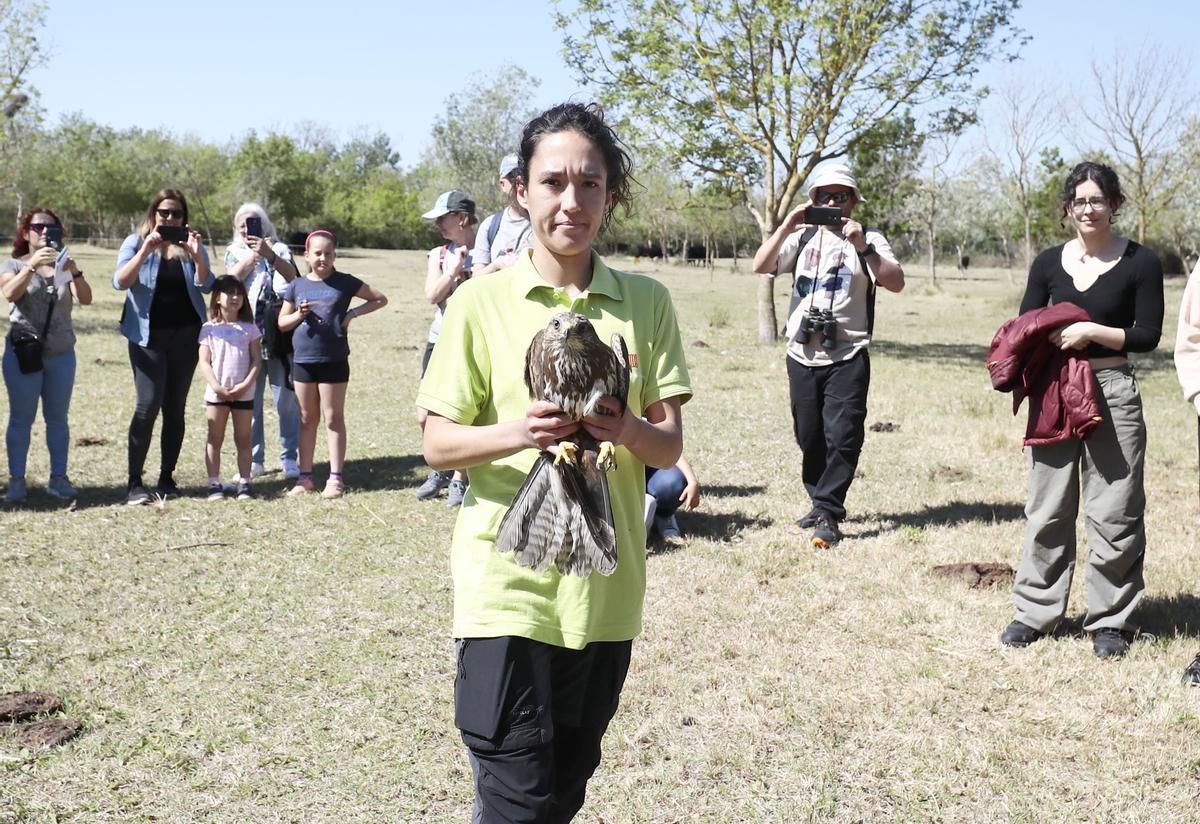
(425, 358)
(326, 372)
(247, 405)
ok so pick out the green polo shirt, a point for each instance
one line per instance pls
(476, 377)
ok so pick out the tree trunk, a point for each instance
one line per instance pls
(931, 240)
(768, 326)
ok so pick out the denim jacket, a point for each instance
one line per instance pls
(135, 317)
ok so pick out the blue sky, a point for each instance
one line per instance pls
(220, 68)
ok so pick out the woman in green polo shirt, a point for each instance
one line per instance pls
(542, 656)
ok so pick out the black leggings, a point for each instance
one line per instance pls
(162, 376)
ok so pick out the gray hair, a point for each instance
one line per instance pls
(261, 213)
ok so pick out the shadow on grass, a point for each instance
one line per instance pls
(385, 472)
(962, 353)
(947, 514)
(722, 527)
(728, 491)
(1170, 615)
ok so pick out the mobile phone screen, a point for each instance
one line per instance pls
(254, 226)
(54, 237)
(173, 234)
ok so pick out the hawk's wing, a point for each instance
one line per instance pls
(535, 377)
(621, 378)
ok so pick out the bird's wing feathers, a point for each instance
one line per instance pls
(534, 379)
(528, 526)
(621, 356)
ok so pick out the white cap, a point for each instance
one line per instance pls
(833, 174)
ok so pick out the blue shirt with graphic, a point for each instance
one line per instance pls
(320, 337)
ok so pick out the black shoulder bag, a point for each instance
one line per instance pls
(276, 344)
(27, 345)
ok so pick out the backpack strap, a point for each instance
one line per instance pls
(871, 290)
(494, 229)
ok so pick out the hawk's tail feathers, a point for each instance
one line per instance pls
(528, 526)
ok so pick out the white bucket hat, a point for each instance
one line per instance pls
(833, 174)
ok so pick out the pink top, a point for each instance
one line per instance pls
(230, 347)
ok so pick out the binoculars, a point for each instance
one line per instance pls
(822, 322)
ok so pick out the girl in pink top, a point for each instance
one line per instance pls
(230, 357)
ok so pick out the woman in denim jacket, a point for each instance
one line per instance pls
(163, 269)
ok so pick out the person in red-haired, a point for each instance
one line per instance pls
(40, 282)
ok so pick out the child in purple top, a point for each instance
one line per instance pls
(230, 357)
(317, 306)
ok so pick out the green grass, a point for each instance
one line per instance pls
(291, 661)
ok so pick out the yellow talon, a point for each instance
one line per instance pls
(567, 451)
(607, 457)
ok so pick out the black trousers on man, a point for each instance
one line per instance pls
(162, 376)
(532, 716)
(829, 414)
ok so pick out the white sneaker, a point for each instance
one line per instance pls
(257, 470)
(651, 507)
(291, 470)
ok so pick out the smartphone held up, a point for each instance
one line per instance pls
(173, 234)
(823, 216)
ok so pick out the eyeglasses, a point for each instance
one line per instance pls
(1098, 204)
(832, 197)
(40, 228)
(175, 213)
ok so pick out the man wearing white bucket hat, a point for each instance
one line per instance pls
(836, 265)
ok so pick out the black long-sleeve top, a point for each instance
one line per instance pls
(1128, 296)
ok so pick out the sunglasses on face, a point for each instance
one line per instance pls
(40, 228)
(170, 213)
(832, 197)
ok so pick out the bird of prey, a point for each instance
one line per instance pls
(562, 514)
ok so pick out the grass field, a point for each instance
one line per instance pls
(287, 660)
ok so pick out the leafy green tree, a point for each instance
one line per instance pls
(761, 92)
(477, 128)
(886, 161)
(287, 180)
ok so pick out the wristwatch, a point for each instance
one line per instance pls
(869, 250)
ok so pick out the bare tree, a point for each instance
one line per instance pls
(20, 52)
(1025, 121)
(927, 203)
(1143, 99)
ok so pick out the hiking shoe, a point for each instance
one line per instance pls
(244, 492)
(1191, 675)
(1017, 634)
(826, 532)
(167, 487)
(810, 520)
(216, 492)
(291, 469)
(17, 491)
(667, 526)
(137, 495)
(1110, 643)
(456, 493)
(60, 486)
(435, 483)
(257, 470)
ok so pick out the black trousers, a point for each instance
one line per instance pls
(162, 376)
(829, 413)
(532, 716)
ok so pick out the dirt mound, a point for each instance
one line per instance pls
(19, 706)
(977, 575)
(49, 733)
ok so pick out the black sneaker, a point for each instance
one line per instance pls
(244, 493)
(1017, 634)
(1110, 643)
(1191, 675)
(167, 487)
(137, 495)
(810, 520)
(216, 492)
(435, 483)
(826, 533)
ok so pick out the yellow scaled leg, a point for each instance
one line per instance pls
(607, 457)
(567, 451)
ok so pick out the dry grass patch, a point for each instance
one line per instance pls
(290, 661)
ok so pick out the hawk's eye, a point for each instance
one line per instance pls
(557, 323)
